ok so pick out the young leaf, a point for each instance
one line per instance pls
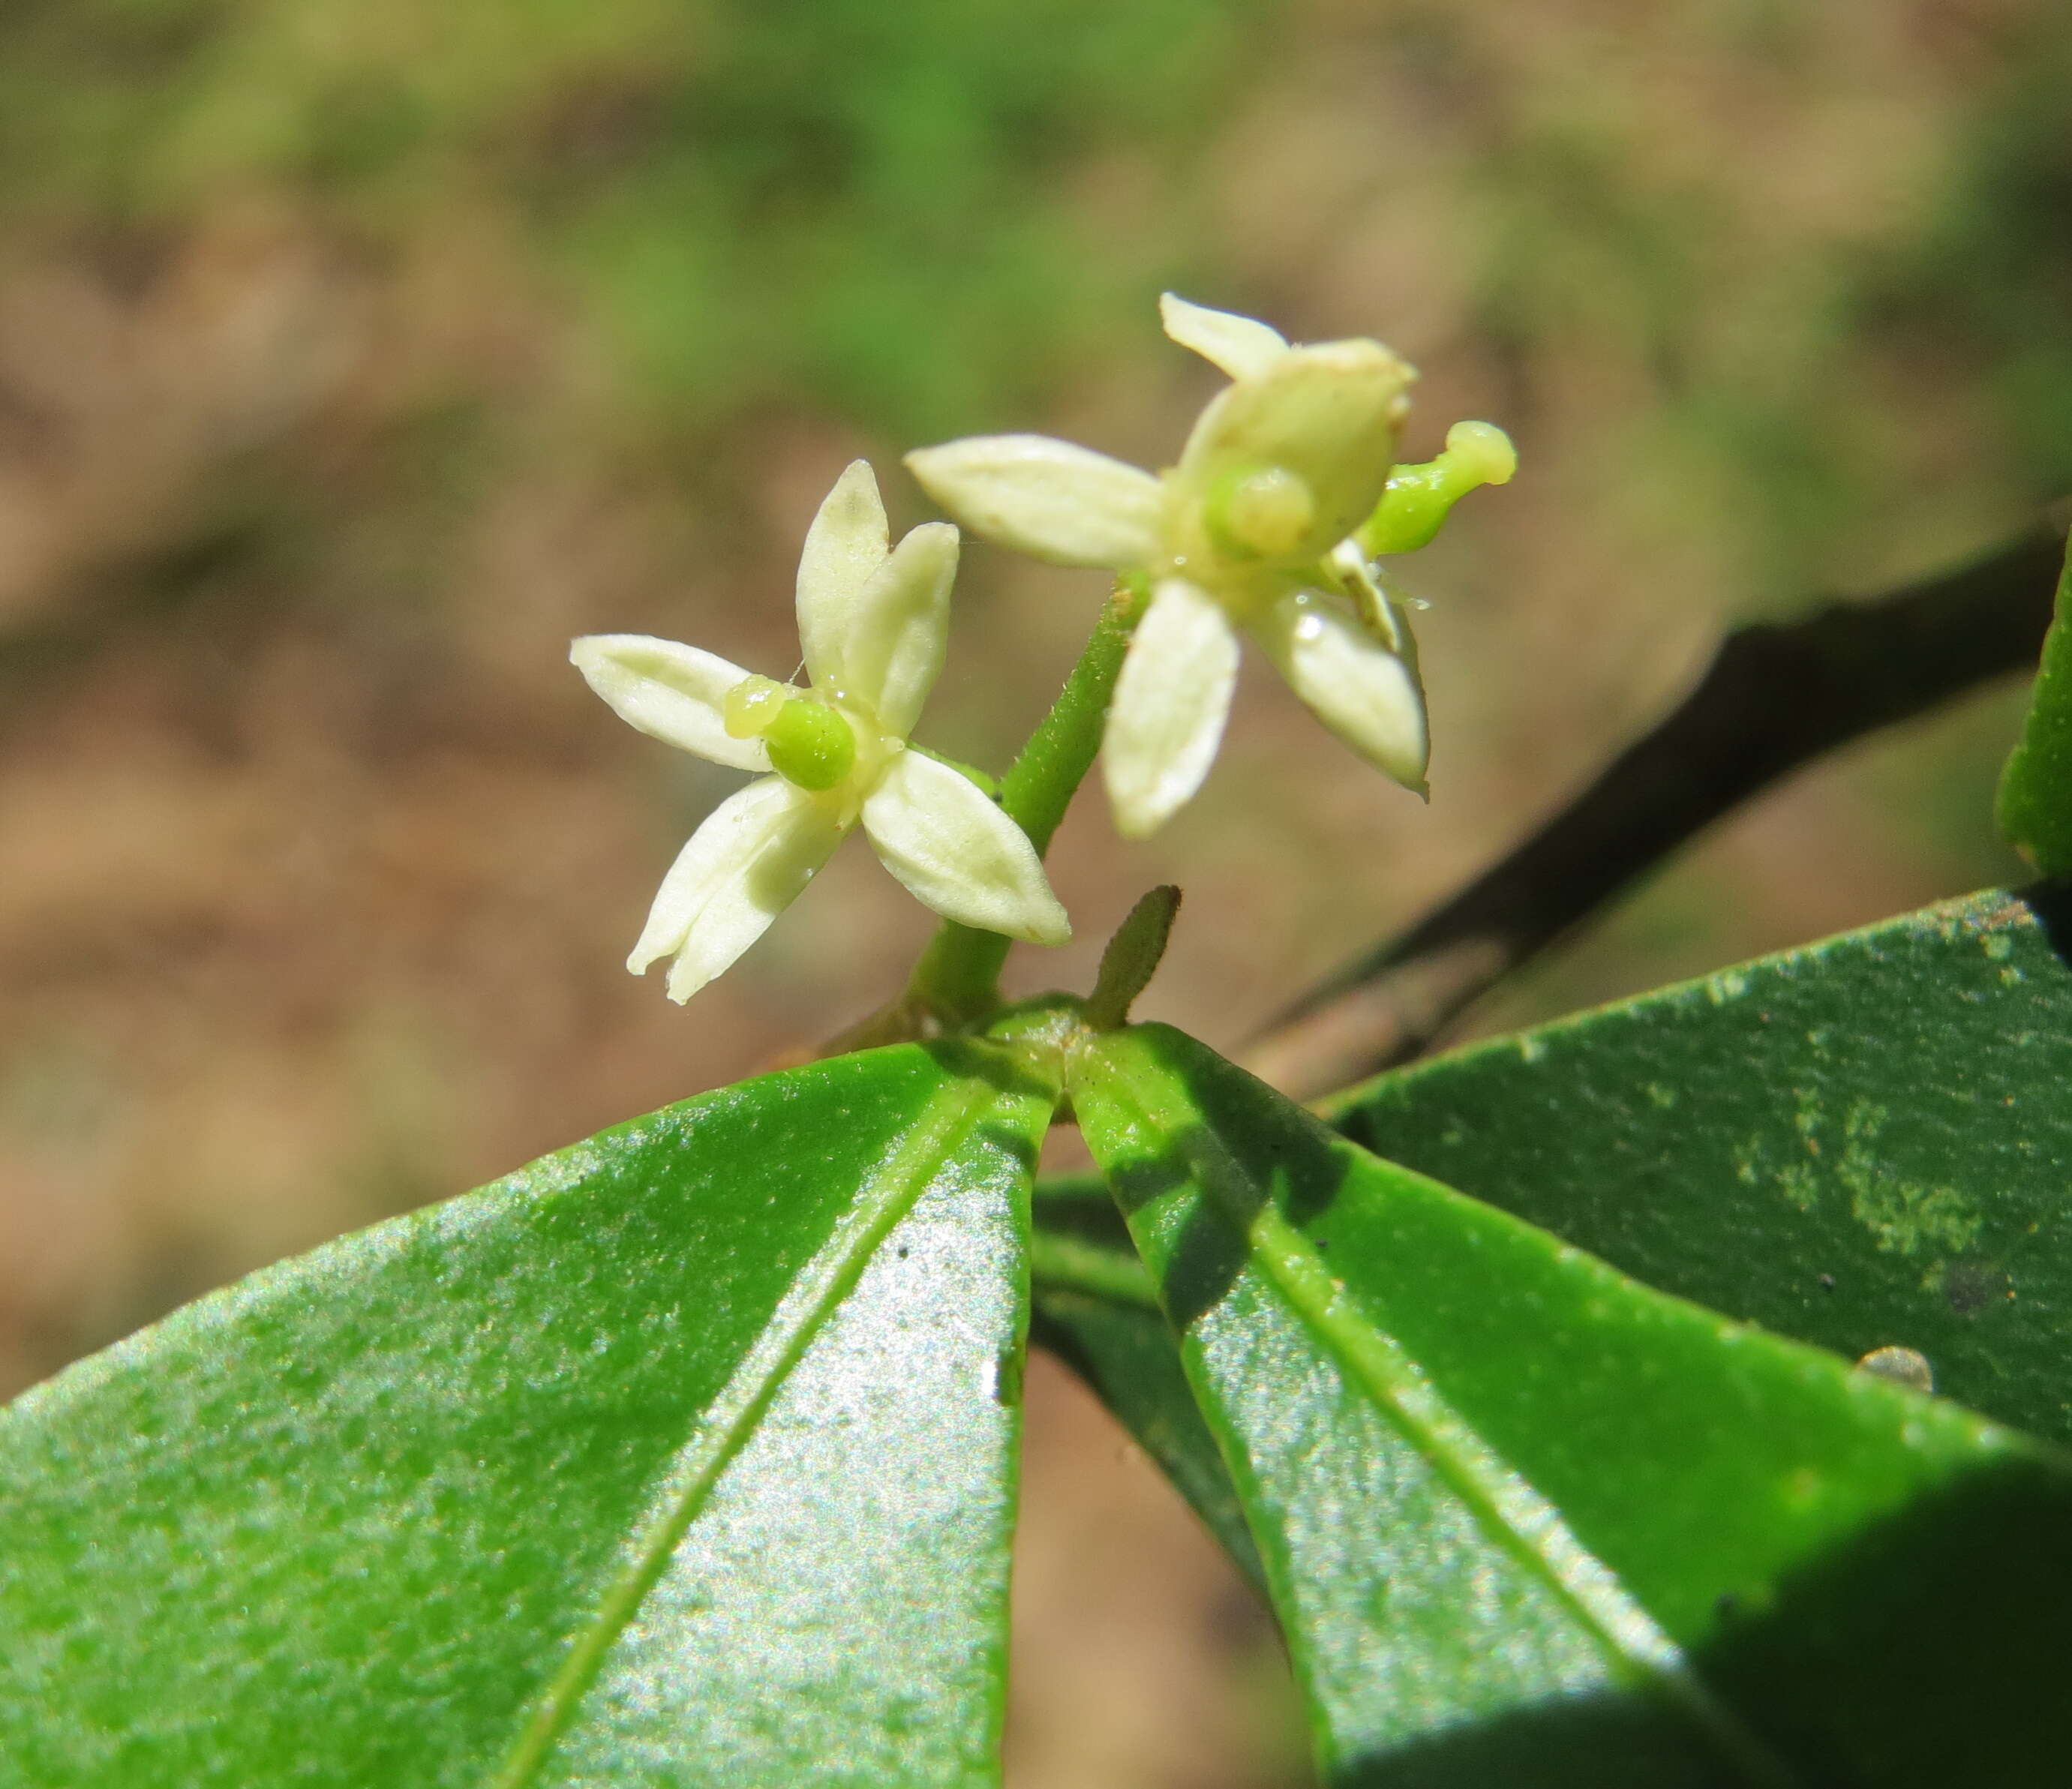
(2035, 802)
(684, 1455)
(1860, 1144)
(1527, 1522)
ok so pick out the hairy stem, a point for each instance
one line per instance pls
(958, 977)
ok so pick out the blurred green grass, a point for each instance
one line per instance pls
(866, 209)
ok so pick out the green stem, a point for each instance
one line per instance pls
(1071, 1264)
(958, 977)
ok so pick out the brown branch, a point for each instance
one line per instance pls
(1775, 697)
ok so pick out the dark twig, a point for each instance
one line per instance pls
(1775, 697)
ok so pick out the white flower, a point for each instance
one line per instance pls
(1251, 529)
(872, 620)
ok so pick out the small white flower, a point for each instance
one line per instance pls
(1251, 529)
(872, 620)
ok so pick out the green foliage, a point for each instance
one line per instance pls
(617, 1459)
(1858, 1143)
(609, 1461)
(613, 1465)
(2035, 805)
(1525, 1520)
(1926, 1058)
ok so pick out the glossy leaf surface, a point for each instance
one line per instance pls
(684, 1456)
(2035, 800)
(1528, 1522)
(1865, 1143)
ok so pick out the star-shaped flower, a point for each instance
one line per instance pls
(872, 620)
(1254, 529)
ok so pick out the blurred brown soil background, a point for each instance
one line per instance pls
(353, 358)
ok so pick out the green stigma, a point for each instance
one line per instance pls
(810, 744)
(1261, 512)
(1416, 499)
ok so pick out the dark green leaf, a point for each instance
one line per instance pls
(1859, 1144)
(2036, 788)
(683, 1456)
(1527, 1522)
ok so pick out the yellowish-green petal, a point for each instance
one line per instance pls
(740, 869)
(845, 546)
(957, 852)
(1171, 701)
(671, 692)
(1367, 695)
(1243, 346)
(1067, 505)
(1329, 414)
(898, 626)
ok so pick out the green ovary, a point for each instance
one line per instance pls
(810, 744)
(1260, 512)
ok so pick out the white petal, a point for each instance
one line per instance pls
(1241, 346)
(1367, 695)
(670, 692)
(1170, 704)
(1328, 413)
(844, 548)
(889, 643)
(741, 868)
(1064, 503)
(957, 852)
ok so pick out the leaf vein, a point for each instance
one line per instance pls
(1502, 1502)
(801, 1315)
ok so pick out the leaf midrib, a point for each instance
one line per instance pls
(1502, 1502)
(804, 1311)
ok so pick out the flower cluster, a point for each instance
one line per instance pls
(1285, 496)
(1254, 529)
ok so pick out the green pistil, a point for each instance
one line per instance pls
(1416, 499)
(1259, 511)
(810, 744)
